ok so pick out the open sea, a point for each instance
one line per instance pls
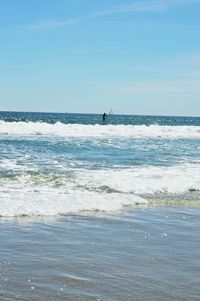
(99, 211)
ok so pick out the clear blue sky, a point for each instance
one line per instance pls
(136, 57)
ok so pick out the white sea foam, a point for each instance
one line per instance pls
(102, 190)
(52, 202)
(176, 179)
(78, 130)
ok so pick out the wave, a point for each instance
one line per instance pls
(80, 130)
(178, 179)
(105, 190)
(52, 203)
(175, 179)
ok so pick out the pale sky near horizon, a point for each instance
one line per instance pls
(136, 57)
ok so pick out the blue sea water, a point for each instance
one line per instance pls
(60, 163)
(93, 211)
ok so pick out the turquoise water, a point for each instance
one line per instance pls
(99, 211)
(57, 164)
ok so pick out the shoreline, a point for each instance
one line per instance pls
(143, 254)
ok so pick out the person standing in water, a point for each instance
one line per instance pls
(104, 117)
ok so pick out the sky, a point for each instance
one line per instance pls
(134, 56)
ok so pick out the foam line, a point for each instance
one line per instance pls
(79, 130)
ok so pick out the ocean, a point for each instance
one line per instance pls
(93, 210)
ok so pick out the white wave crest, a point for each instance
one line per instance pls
(80, 130)
(93, 190)
(178, 179)
(51, 202)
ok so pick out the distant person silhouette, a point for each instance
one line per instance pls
(104, 117)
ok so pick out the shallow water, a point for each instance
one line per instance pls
(142, 254)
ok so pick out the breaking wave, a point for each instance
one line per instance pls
(106, 190)
(80, 130)
(51, 203)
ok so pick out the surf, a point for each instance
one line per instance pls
(106, 131)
